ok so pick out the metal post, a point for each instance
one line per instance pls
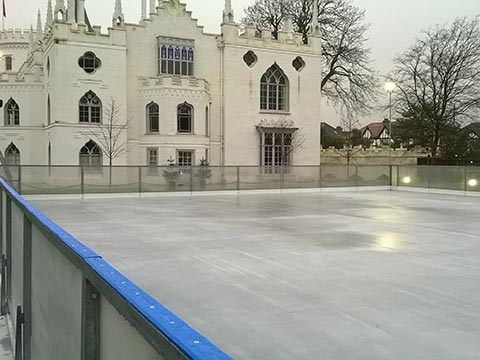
(1, 222)
(398, 176)
(320, 182)
(82, 180)
(27, 287)
(391, 176)
(139, 179)
(19, 186)
(428, 178)
(282, 177)
(90, 322)
(3, 295)
(18, 334)
(238, 178)
(191, 180)
(356, 177)
(465, 180)
(9, 251)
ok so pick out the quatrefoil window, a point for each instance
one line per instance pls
(89, 62)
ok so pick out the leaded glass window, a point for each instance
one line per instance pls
(275, 150)
(91, 157)
(153, 118)
(185, 158)
(176, 56)
(12, 113)
(12, 155)
(274, 90)
(90, 108)
(89, 62)
(185, 118)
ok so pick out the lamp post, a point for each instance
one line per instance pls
(390, 88)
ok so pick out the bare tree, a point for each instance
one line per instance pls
(108, 134)
(439, 82)
(267, 14)
(349, 82)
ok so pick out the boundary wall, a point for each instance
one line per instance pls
(64, 301)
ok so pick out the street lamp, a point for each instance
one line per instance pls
(390, 88)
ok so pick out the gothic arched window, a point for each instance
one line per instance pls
(12, 113)
(185, 118)
(90, 108)
(12, 155)
(153, 118)
(91, 155)
(274, 90)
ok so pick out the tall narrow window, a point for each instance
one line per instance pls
(12, 113)
(90, 108)
(274, 90)
(91, 157)
(8, 63)
(176, 56)
(49, 111)
(49, 154)
(275, 149)
(152, 161)
(184, 118)
(153, 118)
(207, 120)
(12, 155)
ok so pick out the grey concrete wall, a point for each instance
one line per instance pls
(17, 262)
(119, 340)
(56, 303)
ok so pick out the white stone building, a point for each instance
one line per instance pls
(233, 98)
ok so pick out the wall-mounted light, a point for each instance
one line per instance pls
(407, 180)
(472, 182)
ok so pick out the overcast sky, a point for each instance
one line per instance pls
(394, 24)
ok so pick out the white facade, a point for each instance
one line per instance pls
(51, 80)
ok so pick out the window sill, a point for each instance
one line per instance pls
(275, 112)
(185, 133)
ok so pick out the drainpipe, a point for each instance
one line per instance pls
(221, 46)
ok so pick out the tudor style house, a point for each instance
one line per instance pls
(169, 90)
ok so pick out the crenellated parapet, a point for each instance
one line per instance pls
(14, 39)
(373, 155)
(174, 86)
(236, 35)
(62, 31)
(26, 80)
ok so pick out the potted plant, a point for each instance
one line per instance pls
(203, 173)
(171, 173)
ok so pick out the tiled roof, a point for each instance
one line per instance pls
(473, 127)
(375, 129)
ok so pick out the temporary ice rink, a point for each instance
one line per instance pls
(317, 275)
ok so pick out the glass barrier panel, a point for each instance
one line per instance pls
(115, 179)
(339, 176)
(472, 182)
(413, 176)
(301, 177)
(55, 180)
(446, 177)
(211, 178)
(373, 176)
(259, 177)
